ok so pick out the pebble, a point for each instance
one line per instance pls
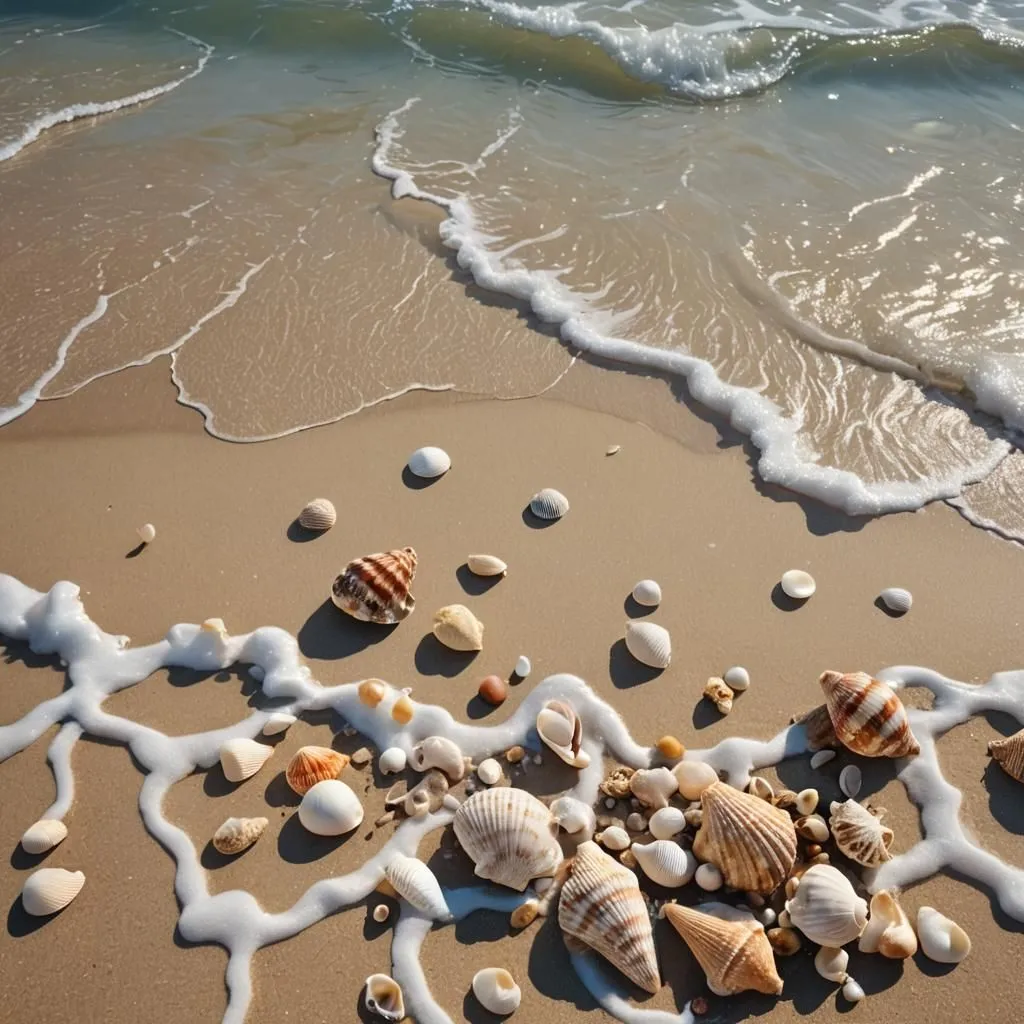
(666, 822)
(489, 771)
(385, 818)
(807, 801)
(708, 877)
(669, 747)
(538, 759)
(525, 914)
(381, 912)
(636, 822)
(493, 689)
(523, 666)
(628, 859)
(610, 802)
(767, 917)
(698, 1006)
(822, 757)
(850, 779)
(797, 584)
(147, 533)
(514, 755)
(614, 838)
(737, 677)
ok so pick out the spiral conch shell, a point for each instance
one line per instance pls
(732, 949)
(376, 588)
(384, 997)
(859, 834)
(1008, 753)
(238, 834)
(559, 727)
(602, 906)
(438, 752)
(508, 835)
(751, 842)
(826, 908)
(458, 628)
(868, 717)
(310, 765)
(889, 931)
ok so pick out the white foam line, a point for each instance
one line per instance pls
(595, 980)
(915, 183)
(59, 756)
(890, 236)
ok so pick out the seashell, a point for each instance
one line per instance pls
(784, 941)
(850, 779)
(508, 835)
(242, 758)
(693, 777)
(319, 514)
(852, 992)
(50, 889)
(821, 757)
(868, 717)
(415, 882)
(719, 694)
(376, 588)
(238, 834)
(573, 816)
(44, 835)
(488, 771)
(525, 914)
(649, 643)
(653, 786)
(429, 463)
(147, 533)
(647, 593)
(942, 940)
(670, 748)
(761, 788)
(616, 784)
(667, 822)
(797, 584)
(523, 666)
(549, 504)
(497, 991)
(458, 628)
(426, 796)
(831, 964)
(665, 863)
(732, 950)
(1008, 753)
(614, 838)
(392, 761)
(515, 754)
(384, 997)
(402, 710)
(807, 801)
(613, 449)
(751, 842)
(889, 931)
(278, 722)
(737, 678)
(813, 827)
(381, 913)
(372, 692)
(818, 727)
(786, 799)
(636, 822)
(602, 906)
(896, 599)
(559, 727)
(438, 752)
(709, 878)
(310, 765)
(330, 808)
(859, 834)
(694, 817)
(826, 908)
(486, 565)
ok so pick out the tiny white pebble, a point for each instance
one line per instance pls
(737, 678)
(610, 802)
(852, 992)
(850, 779)
(708, 877)
(147, 533)
(523, 666)
(767, 917)
(822, 757)
(636, 822)
(489, 771)
(381, 913)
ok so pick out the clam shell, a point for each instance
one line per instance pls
(330, 808)
(889, 931)
(44, 835)
(602, 906)
(429, 462)
(868, 717)
(897, 600)
(665, 862)
(647, 593)
(826, 908)
(667, 822)
(243, 758)
(751, 842)
(559, 727)
(376, 588)
(735, 954)
(486, 565)
(508, 835)
(859, 834)
(1008, 753)
(415, 882)
(392, 761)
(797, 584)
(238, 834)
(653, 786)
(310, 765)
(549, 504)
(458, 628)
(615, 837)
(942, 940)
(649, 643)
(319, 514)
(693, 777)
(50, 889)
(384, 997)
(278, 722)
(497, 991)
(438, 752)
(821, 757)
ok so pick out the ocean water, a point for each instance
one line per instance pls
(810, 212)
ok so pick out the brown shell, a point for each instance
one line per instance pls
(376, 588)
(311, 765)
(868, 717)
(817, 724)
(1008, 753)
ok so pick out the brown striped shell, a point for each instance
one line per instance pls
(868, 717)
(376, 588)
(1008, 753)
(602, 906)
(817, 723)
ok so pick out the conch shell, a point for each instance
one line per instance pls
(1008, 753)
(859, 834)
(238, 834)
(458, 628)
(415, 882)
(826, 908)
(751, 842)
(384, 997)
(310, 765)
(376, 588)
(602, 906)
(438, 752)
(653, 786)
(560, 728)
(889, 932)
(868, 717)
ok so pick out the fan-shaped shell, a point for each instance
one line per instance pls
(665, 862)
(376, 588)
(438, 752)
(319, 514)
(653, 786)
(859, 834)
(243, 758)
(549, 504)
(330, 808)
(238, 834)
(497, 991)
(647, 593)
(602, 906)
(1008, 753)
(751, 842)
(897, 600)
(50, 889)
(868, 717)
(649, 643)
(310, 765)
(384, 997)
(560, 728)
(458, 628)
(888, 932)
(44, 835)
(826, 908)
(942, 940)
(508, 835)
(278, 722)
(735, 954)
(486, 565)
(797, 584)
(429, 462)
(415, 882)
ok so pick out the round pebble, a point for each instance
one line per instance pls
(636, 822)
(669, 747)
(523, 666)
(797, 584)
(708, 877)
(147, 533)
(488, 771)
(807, 801)
(493, 689)
(381, 912)
(737, 678)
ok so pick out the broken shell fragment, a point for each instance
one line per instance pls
(497, 991)
(1008, 753)
(897, 600)
(560, 728)
(716, 691)
(616, 784)
(826, 908)
(647, 593)
(653, 786)
(831, 964)
(693, 777)
(278, 722)
(665, 863)
(44, 835)
(667, 822)
(486, 565)
(242, 758)
(392, 761)
(384, 997)
(429, 463)
(310, 765)
(318, 515)
(852, 992)
(425, 797)
(549, 504)
(649, 643)
(458, 628)
(737, 678)
(859, 834)
(50, 889)
(330, 808)
(868, 717)
(238, 834)
(942, 940)
(441, 753)
(376, 588)
(797, 584)
(417, 884)
(889, 931)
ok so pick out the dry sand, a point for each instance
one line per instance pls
(79, 475)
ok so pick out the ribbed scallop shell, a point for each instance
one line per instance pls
(868, 717)
(486, 565)
(859, 834)
(376, 588)
(429, 462)
(735, 954)
(238, 834)
(826, 908)
(649, 643)
(50, 889)
(458, 628)
(44, 835)
(243, 758)
(310, 765)
(415, 882)
(319, 514)
(549, 504)
(602, 906)
(897, 600)
(560, 728)
(508, 835)
(1008, 753)
(665, 862)
(752, 843)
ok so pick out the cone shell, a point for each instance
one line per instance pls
(868, 717)
(826, 908)
(602, 906)
(751, 842)
(508, 834)
(549, 504)
(735, 955)
(384, 997)
(859, 834)
(486, 565)
(559, 727)
(458, 628)
(665, 862)
(649, 643)
(319, 514)
(310, 765)
(1008, 753)
(44, 835)
(243, 758)
(376, 588)
(50, 889)
(415, 882)
(238, 834)
(889, 931)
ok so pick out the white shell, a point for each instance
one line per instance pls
(497, 991)
(486, 565)
(523, 666)
(889, 931)
(636, 822)
(665, 863)
(392, 761)
(850, 779)
(574, 816)
(614, 838)
(429, 462)
(560, 729)
(822, 757)
(488, 771)
(549, 504)
(737, 678)
(243, 758)
(897, 600)
(831, 964)
(798, 584)
(852, 992)
(826, 908)
(441, 753)
(384, 998)
(330, 808)
(942, 940)
(50, 889)
(807, 802)
(693, 777)
(647, 593)
(667, 822)
(649, 643)
(44, 835)
(277, 723)
(613, 449)
(238, 834)
(709, 878)
(416, 883)
(653, 786)
(319, 514)
(147, 533)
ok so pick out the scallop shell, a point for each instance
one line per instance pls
(429, 462)
(310, 765)
(1008, 753)
(243, 758)
(735, 954)
(458, 628)
(868, 717)
(573, 816)
(665, 862)
(376, 588)
(508, 835)
(319, 514)
(392, 761)
(497, 991)
(44, 835)
(889, 932)
(897, 600)
(653, 786)
(797, 584)
(426, 796)
(278, 722)
(238, 834)
(693, 777)
(826, 908)
(384, 997)
(50, 889)
(751, 842)
(647, 593)
(415, 882)
(602, 906)
(667, 822)
(549, 504)
(649, 643)
(942, 940)
(330, 808)
(559, 727)
(438, 752)
(859, 834)
(486, 565)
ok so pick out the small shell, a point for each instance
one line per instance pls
(647, 593)
(817, 724)
(667, 822)
(381, 913)
(277, 723)
(486, 565)
(653, 786)
(372, 692)
(403, 710)
(670, 748)
(709, 878)
(497, 991)
(242, 758)
(50, 889)
(826, 908)
(859, 834)
(649, 643)
(616, 783)
(693, 777)
(761, 788)
(614, 838)
(897, 600)
(310, 765)
(376, 588)
(147, 533)
(488, 771)
(636, 822)
(392, 761)
(549, 504)
(868, 717)
(525, 914)
(330, 808)
(384, 997)
(613, 449)
(889, 931)
(44, 835)
(850, 779)
(831, 964)
(425, 797)
(813, 827)
(942, 940)
(522, 666)
(785, 941)
(458, 628)
(665, 863)
(238, 834)
(416, 883)
(852, 992)
(319, 514)
(716, 691)
(797, 584)
(573, 816)
(1008, 753)
(560, 728)
(438, 752)
(807, 801)
(821, 757)
(429, 462)
(515, 754)
(737, 678)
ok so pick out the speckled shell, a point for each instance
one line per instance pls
(310, 765)
(238, 834)
(44, 835)
(549, 504)
(376, 588)
(602, 906)
(429, 462)
(319, 514)
(859, 834)
(649, 643)
(868, 717)
(560, 728)
(50, 889)
(509, 835)
(415, 882)
(486, 565)
(458, 628)
(242, 758)
(751, 842)
(1008, 753)
(826, 908)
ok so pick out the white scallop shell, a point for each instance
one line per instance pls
(392, 761)
(798, 584)
(574, 816)
(942, 940)
(441, 753)
(737, 678)
(709, 878)
(826, 908)
(523, 666)
(243, 758)
(649, 643)
(278, 722)
(486, 565)
(897, 600)
(50, 889)
(497, 991)
(147, 533)
(665, 863)
(647, 593)
(693, 777)
(330, 808)
(415, 882)
(667, 822)
(488, 771)
(319, 514)
(615, 837)
(549, 504)
(44, 835)
(384, 998)
(429, 462)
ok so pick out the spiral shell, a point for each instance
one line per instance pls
(376, 588)
(1008, 753)
(243, 758)
(238, 834)
(560, 728)
(458, 628)
(859, 834)
(826, 908)
(44, 835)
(319, 515)
(429, 462)
(50, 889)
(868, 717)
(415, 882)
(649, 643)
(549, 504)
(310, 765)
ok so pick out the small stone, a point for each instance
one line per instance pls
(542, 884)
(147, 533)
(523, 666)
(538, 759)
(784, 941)
(493, 689)
(670, 748)
(381, 912)
(821, 858)
(737, 678)
(636, 822)
(850, 779)
(489, 771)
(767, 917)
(813, 850)
(708, 877)
(525, 914)
(610, 802)
(694, 817)
(698, 1006)
(806, 801)
(852, 992)
(628, 859)
(514, 754)
(349, 731)
(822, 757)
(362, 757)
(784, 921)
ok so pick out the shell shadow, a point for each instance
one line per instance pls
(784, 602)
(534, 521)
(299, 534)
(882, 606)
(329, 634)
(625, 671)
(21, 923)
(473, 584)
(216, 783)
(211, 858)
(634, 609)
(434, 659)
(477, 708)
(279, 794)
(418, 483)
(705, 714)
(298, 845)
(22, 860)
(137, 550)
(1004, 801)
(550, 970)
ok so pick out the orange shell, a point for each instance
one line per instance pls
(311, 765)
